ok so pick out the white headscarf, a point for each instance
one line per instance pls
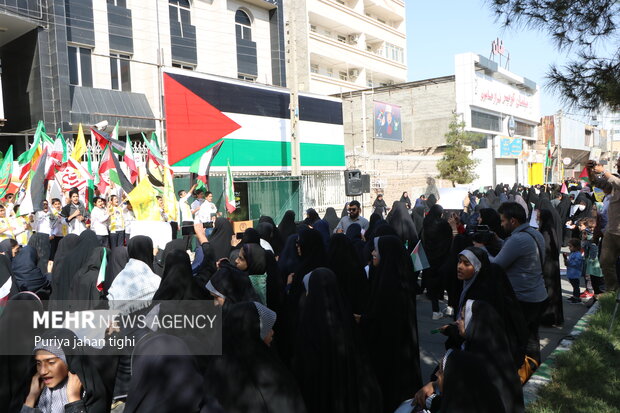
(133, 288)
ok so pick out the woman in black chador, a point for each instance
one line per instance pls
(332, 372)
(389, 326)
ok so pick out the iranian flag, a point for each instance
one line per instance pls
(202, 165)
(231, 203)
(105, 165)
(58, 156)
(130, 161)
(28, 158)
(90, 185)
(102, 270)
(6, 171)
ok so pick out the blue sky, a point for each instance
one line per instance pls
(439, 29)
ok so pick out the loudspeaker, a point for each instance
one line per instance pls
(353, 182)
(366, 184)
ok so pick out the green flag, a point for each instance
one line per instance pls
(6, 171)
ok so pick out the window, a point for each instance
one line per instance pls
(119, 3)
(330, 72)
(243, 25)
(343, 75)
(182, 66)
(485, 121)
(314, 68)
(119, 69)
(247, 78)
(80, 66)
(180, 12)
(523, 129)
(342, 38)
(393, 52)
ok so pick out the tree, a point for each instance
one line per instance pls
(590, 80)
(457, 166)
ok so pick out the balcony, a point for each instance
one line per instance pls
(18, 20)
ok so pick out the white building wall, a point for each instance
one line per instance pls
(484, 87)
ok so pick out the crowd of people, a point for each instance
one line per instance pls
(319, 315)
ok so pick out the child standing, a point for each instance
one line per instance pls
(574, 266)
(592, 268)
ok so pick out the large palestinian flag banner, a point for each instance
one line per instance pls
(254, 122)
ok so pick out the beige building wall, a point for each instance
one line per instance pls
(426, 110)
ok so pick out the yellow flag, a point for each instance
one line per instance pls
(80, 145)
(171, 206)
(144, 202)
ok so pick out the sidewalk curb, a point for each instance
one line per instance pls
(543, 373)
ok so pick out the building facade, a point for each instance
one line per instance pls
(87, 61)
(505, 108)
(397, 133)
(345, 45)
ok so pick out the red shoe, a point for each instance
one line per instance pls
(586, 294)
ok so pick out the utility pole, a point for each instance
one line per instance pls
(291, 54)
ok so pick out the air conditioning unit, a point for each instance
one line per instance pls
(353, 38)
(354, 72)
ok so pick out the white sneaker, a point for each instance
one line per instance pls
(449, 311)
(437, 316)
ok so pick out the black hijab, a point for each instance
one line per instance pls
(492, 286)
(331, 371)
(332, 219)
(165, 378)
(118, 258)
(390, 324)
(72, 253)
(220, 238)
(287, 226)
(248, 377)
(26, 273)
(289, 260)
(436, 236)
(418, 218)
(177, 281)
(490, 217)
(354, 233)
(553, 314)
(160, 259)
(277, 242)
(401, 221)
(311, 217)
(233, 284)
(492, 199)
(468, 385)
(14, 369)
(312, 256)
(140, 248)
(343, 260)
(41, 243)
(265, 230)
(84, 286)
(485, 335)
(250, 236)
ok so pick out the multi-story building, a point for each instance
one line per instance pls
(397, 133)
(85, 61)
(345, 45)
(177, 67)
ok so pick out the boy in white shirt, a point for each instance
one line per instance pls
(186, 216)
(128, 217)
(117, 223)
(75, 213)
(99, 219)
(207, 213)
(59, 227)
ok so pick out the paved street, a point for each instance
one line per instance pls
(432, 345)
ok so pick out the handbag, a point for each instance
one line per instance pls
(527, 369)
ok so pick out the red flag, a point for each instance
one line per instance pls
(105, 165)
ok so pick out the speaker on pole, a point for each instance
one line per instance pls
(353, 182)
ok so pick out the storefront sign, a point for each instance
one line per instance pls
(510, 148)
